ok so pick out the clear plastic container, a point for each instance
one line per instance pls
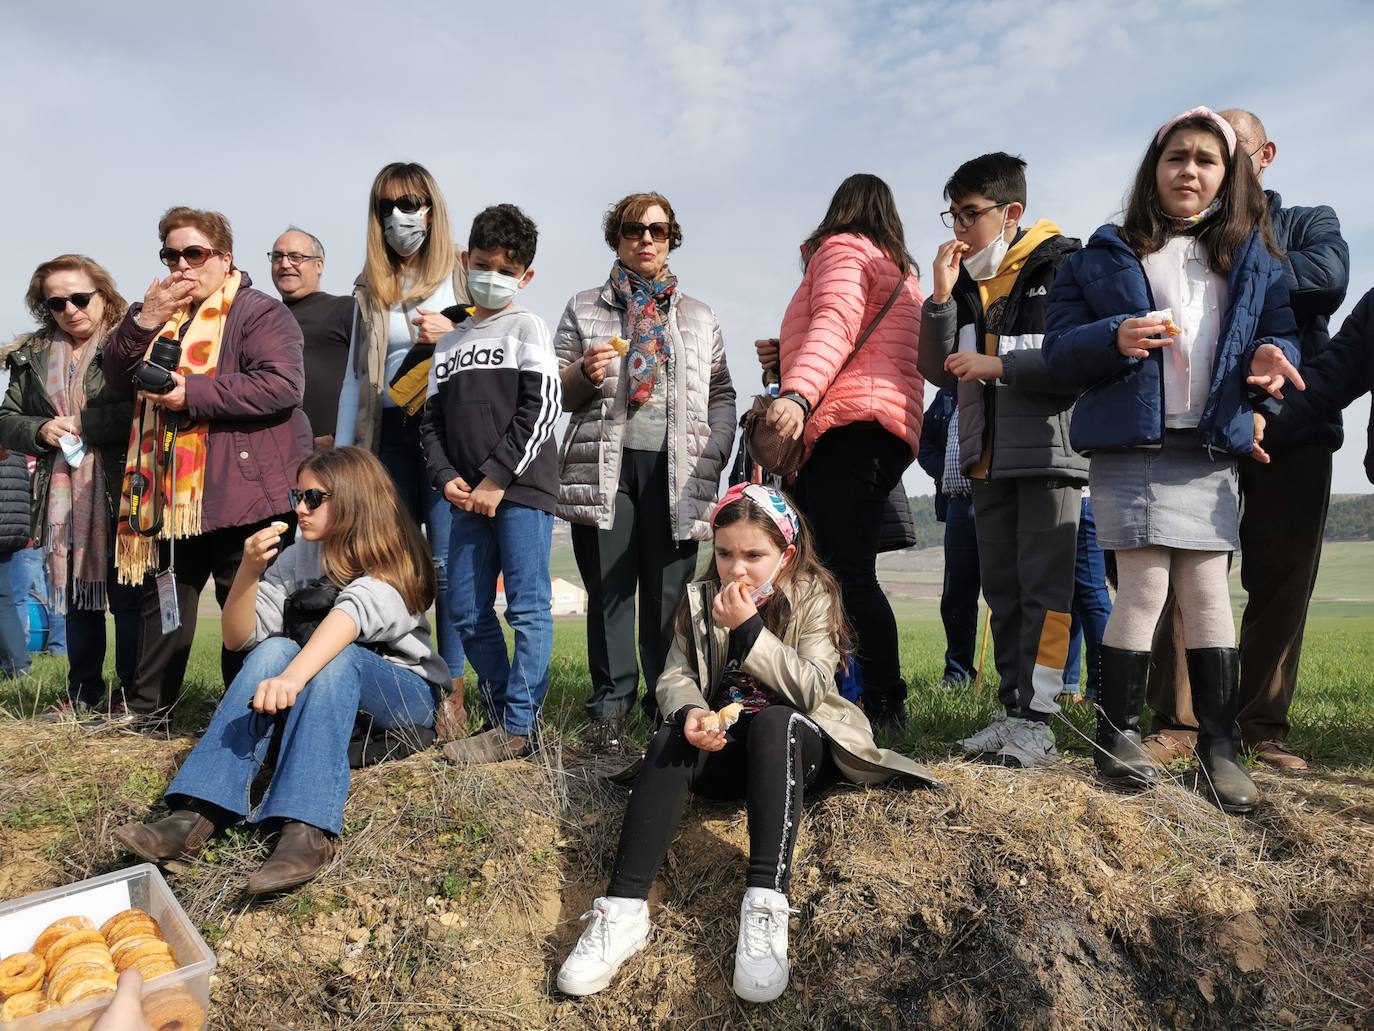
(190, 982)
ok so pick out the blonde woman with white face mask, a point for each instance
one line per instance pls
(410, 277)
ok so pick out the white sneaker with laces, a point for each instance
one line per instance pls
(761, 967)
(1028, 743)
(619, 928)
(990, 738)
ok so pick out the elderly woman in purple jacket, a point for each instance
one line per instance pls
(218, 432)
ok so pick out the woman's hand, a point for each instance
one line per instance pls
(260, 549)
(1256, 452)
(698, 736)
(54, 429)
(1136, 338)
(597, 359)
(163, 299)
(968, 367)
(431, 326)
(277, 694)
(1270, 370)
(174, 400)
(767, 350)
(944, 271)
(787, 417)
(733, 605)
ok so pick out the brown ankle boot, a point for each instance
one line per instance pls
(179, 836)
(491, 746)
(302, 852)
(451, 720)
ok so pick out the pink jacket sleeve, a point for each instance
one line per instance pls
(837, 304)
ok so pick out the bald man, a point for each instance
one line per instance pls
(1283, 513)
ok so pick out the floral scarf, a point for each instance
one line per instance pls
(76, 535)
(646, 319)
(1188, 221)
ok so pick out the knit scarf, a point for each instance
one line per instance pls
(76, 535)
(646, 316)
(136, 555)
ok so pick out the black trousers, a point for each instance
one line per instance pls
(86, 640)
(770, 759)
(842, 490)
(163, 657)
(637, 552)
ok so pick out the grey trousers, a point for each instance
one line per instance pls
(637, 552)
(1027, 545)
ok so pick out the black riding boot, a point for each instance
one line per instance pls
(1121, 761)
(1215, 676)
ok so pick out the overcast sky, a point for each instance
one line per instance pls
(746, 115)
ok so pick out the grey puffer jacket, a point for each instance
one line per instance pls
(701, 413)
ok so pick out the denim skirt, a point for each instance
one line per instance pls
(1173, 496)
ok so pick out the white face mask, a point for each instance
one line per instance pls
(984, 264)
(492, 290)
(406, 232)
(765, 590)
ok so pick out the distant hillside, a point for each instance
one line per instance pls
(1351, 518)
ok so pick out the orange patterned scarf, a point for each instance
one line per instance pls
(136, 555)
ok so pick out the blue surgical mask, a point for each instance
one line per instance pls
(492, 290)
(765, 590)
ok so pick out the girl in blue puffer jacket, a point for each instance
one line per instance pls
(1177, 325)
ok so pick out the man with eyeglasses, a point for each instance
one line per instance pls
(326, 321)
(1283, 502)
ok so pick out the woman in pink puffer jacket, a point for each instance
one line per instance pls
(861, 422)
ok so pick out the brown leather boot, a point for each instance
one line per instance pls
(451, 721)
(492, 746)
(179, 836)
(302, 852)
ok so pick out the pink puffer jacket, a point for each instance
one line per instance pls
(847, 282)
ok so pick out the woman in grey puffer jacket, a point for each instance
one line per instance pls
(641, 461)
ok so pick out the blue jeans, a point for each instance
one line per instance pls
(310, 783)
(513, 545)
(962, 585)
(401, 453)
(28, 575)
(14, 650)
(1092, 607)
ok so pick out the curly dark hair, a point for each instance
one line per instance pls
(504, 227)
(631, 209)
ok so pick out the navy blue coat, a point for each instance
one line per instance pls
(1122, 404)
(934, 437)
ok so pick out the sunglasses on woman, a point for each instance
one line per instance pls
(313, 498)
(658, 231)
(408, 204)
(57, 305)
(195, 256)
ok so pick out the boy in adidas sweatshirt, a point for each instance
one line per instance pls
(981, 327)
(494, 398)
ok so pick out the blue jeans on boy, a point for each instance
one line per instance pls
(310, 783)
(1092, 607)
(513, 545)
(28, 576)
(14, 650)
(962, 586)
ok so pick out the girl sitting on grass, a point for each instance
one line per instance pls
(337, 626)
(764, 631)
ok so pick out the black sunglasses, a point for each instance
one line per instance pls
(313, 498)
(635, 230)
(195, 256)
(408, 204)
(57, 305)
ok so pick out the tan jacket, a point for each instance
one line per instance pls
(370, 327)
(701, 413)
(800, 666)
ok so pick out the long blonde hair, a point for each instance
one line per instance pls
(370, 532)
(384, 272)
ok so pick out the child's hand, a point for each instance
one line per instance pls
(485, 498)
(944, 271)
(261, 548)
(1256, 452)
(970, 367)
(457, 492)
(1270, 370)
(596, 359)
(431, 326)
(696, 735)
(276, 694)
(1136, 338)
(787, 417)
(733, 605)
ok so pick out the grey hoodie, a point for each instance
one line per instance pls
(377, 608)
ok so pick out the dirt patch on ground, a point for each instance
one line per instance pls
(1007, 899)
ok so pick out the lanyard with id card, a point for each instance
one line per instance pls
(166, 579)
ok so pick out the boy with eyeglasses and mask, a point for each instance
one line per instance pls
(981, 328)
(494, 398)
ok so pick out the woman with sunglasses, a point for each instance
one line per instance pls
(60, 409)
(336, 626)
(220, 364)
(653, 420)
(410, 276)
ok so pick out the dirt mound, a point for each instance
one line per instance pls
(1007, 899)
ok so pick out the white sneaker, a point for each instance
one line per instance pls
(1028, 743)
(619, 928)
(761, 968)
(990, 738)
